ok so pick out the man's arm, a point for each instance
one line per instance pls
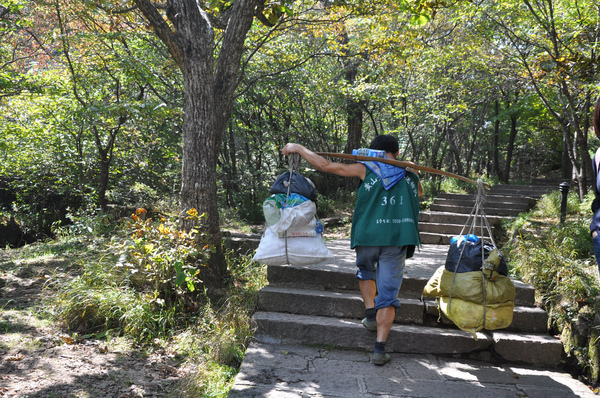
(322, 164)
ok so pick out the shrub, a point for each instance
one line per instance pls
(105, 300)
(550, 204)
(558, 260)
(144, 294)
(162, 261)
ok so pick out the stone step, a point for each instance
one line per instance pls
(332, 280)
(448, 229)
(535, 192)
(470, 203)
(547, 184)
(490, 198)
(331, 304)
(350, 305)
(454, 218)
(281, 328)
(436, 238)
(342, 279)
(467, 210)
(450, 212)
(242, 244)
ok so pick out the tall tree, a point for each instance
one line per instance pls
(190, 33)
(17, 50)
(555, 43)
(96, 51)
(99, 79)
(210, 72)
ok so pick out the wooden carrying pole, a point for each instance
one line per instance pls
(398, 163)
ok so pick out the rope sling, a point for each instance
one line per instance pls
(293, 163)
(478, 213)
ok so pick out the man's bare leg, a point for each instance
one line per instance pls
(368, 291)
(385, 320)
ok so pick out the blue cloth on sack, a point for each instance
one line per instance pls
(388, 174)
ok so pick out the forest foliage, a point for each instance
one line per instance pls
(92, 108)
(92, 103)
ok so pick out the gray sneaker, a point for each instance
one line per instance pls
(381, 359)
(370, 325)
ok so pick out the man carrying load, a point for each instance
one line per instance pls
(384, 230)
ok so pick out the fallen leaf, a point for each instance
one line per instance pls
(68, 340)
(16, 357)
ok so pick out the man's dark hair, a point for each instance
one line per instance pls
(387, 143)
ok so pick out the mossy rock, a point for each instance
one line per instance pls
(594, 355)
(566, 337)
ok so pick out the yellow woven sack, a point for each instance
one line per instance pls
(432, 288)
(468, 286)
(468, 316)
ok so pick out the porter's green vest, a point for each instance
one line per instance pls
(386, 218)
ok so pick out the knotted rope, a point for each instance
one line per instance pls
(293, 163)
(477, 212)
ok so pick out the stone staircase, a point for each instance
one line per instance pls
(320, 304)
(449, 212)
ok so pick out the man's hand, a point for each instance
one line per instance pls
(291, 148)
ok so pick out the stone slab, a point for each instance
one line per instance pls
(332, 304)
(349, 333)
(537, 349)
(281, 370)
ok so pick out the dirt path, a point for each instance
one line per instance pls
(38, 360)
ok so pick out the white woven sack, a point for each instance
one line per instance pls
(296, 216)
(300, 251)
(303, 231)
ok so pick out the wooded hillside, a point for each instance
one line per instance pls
(101, 102)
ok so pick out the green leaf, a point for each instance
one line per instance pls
(420, 20)
(190, 285)
(181, 277)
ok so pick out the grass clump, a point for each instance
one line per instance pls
(144, 285)
(558, 260)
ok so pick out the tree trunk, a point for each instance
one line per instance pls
(209, 89)
(586, 159)
(511, 138)
(496, 142)
(476, 128)
(199, 182)
(105, 154)
(453, 141)
(355, 122)
(103, 184)
(354, 112)
(510, 147)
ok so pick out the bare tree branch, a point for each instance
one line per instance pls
(4, 65)
(162, 29)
